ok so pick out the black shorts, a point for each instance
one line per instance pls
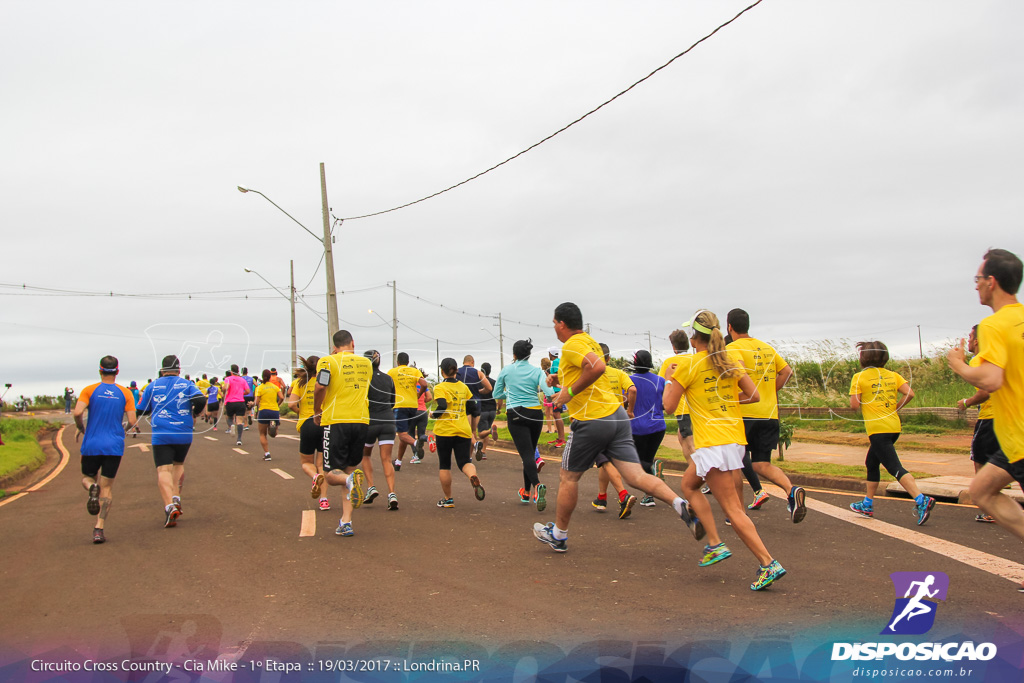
(384, 432)
(685, 424)
(343, 445)
(486, 420)
(311, 437)
(984, 443)
(234, 409)
(473, 407)
(418, 424)
(170, 453)
(213, 407)
(402, 417)
(457, 445)
(100, 464)
(1014, 469)
(762, 438)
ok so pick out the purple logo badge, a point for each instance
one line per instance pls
(917, 594)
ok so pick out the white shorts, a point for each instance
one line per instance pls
(722, 458)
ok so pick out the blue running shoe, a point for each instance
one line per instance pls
(344, 529)
(446, 503)
(691, 521)
(768, 575)
(863, 508)
(713, 554)
(545, 533)
(797, 507)
(924, 510)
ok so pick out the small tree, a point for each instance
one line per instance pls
(785, 437)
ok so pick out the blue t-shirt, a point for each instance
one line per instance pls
(171, 400)
(104, 432)
(648, 414)
(213, 394)
(471, 378)
(252, 385)
(135, 394)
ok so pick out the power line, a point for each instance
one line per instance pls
(563, 128)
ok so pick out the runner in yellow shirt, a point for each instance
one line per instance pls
(715, 385)
(880, 393)
(680, 346)
(984, 442)
(311, 435)
(600, 430)
(1001, 373)
(268, 399)
(770, 372)
(408, 383)
(341, 407)
(453, 433)
(622, 386)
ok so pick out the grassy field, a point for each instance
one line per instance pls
(20, 447)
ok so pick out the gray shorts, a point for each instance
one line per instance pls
(588, 440)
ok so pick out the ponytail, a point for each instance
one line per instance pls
(717, 354)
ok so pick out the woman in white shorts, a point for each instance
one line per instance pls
(715, 385)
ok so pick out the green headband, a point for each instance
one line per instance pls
(696, 325)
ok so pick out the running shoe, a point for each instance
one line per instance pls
(494, 432)
(392, 501)
(984, 518)
(431, 443)
(266, 457)
(558, 443)
(524, 497)
(647, 501)
(398, 465)
(626, 506)
(97, 536)
(539, 462)
(355, 494)
(866, 509)
(924, 510)
(419, 448)
(478, 450)
(768, 575)
(245, 429)
(446, 503)
(318, 485)
(171, 518)
(728, 522)
(93, 505)
(658, 468)
(344, 529)
(325, 504)
(214, 429)
(713, 554)
(797, 508)
(539, 495)
(692, 523)
(760, 498)
(478, 490)
(272, 430)
(415, 460)
(600, 504)
(238, 443)
(705, 489)
(1020, 588)
(371, 493)
(250, 419)
(176, 502)
(545, 533)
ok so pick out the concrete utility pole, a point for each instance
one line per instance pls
(650, 344)
(920, 346)
(295, 356)
(394, 323)
(501, 343)
(332, 293)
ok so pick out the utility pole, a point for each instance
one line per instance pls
(588, 328)
(394, 323)
(295, 358)
(437, 351)
(501, 343)
(650, 345)
(332, 293)
(920, 346)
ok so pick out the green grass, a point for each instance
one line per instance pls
(20, 449)
(917, 423)
(831, 469)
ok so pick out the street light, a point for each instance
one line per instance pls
(332, 295)
(394, 336)
(291, 300)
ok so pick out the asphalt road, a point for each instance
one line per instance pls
(235, 576)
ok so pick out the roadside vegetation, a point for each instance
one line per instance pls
(20, 449)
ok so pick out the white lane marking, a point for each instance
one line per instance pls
(65, 457)
(308, 525)
(992, 564)
(141, 446)
(287, 436)
(281, 473)
(239, 450)
(211, 438)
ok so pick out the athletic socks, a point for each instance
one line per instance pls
(623, 494)
(559, 534)
(678, 505)
(602, 496)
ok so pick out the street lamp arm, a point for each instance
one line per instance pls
(244, 190)
(268, 282)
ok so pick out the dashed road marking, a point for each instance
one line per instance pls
(141, 446)
(239, 450)
(211, 438)
(308, 526)
(288, 436)
(281, 473)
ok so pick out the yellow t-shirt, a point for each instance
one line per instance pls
(346, 397)
(597, 400)
(305, 392)
(405, 378)
(713, 400)
(984, 409)
(667, 368)
(453, 421)
(1001, 342)
(763, 364)
(266, 397)
(879, 394)
(203, 384)
(619, 381)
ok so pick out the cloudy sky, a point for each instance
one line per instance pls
(837, 169)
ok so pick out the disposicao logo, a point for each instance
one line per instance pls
(917, 596)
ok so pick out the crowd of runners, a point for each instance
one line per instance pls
(720, 386)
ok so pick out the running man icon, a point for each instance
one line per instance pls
(922, 589)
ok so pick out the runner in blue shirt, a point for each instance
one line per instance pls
(647, 420)
(476, 381)
(173, 402)
(103, 446)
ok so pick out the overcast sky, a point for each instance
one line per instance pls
(837, 169)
